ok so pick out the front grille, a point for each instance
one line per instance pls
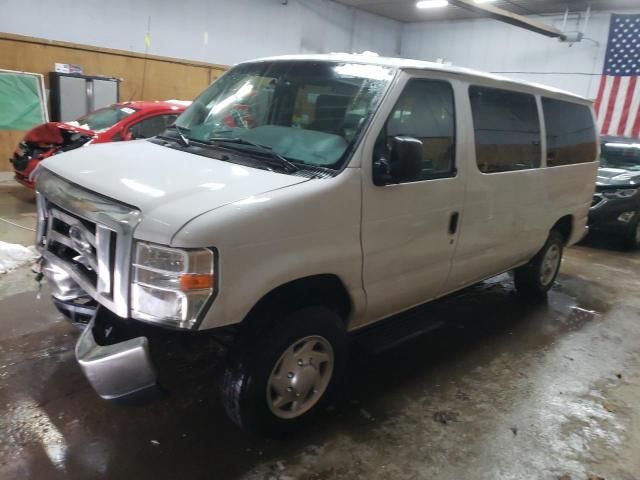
(83, 245)
(88, 236)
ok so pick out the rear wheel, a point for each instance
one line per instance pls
(279, 379)
(534, 279)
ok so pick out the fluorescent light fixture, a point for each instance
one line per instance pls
(443, 3)
(432, 3)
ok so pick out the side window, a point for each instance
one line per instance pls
(150, 127)
(425, 111)
(571, 134)
(507, 130)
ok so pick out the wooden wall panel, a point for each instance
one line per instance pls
(165, 78)
(8, 141)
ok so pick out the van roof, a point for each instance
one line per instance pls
(409, 64)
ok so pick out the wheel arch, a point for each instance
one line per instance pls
(564, 226)
(322, 289)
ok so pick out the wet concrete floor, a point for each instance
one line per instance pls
(505, 390)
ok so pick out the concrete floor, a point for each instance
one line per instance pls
(504, 391)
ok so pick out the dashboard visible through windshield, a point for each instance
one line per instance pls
(306, 112)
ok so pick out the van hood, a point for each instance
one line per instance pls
(617, 177)
(170, 187)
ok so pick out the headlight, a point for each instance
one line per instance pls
(170, 285)
(620, 193)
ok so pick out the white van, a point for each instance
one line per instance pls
(299, 199)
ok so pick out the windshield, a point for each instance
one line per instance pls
(625, 155)
(103, 118)
(307, 112)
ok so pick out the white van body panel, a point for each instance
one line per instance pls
(407, 247)
(268, 240)
(567, 191)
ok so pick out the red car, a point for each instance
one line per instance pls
(120, 121)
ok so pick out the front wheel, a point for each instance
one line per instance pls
(279, 379)
(534, 279)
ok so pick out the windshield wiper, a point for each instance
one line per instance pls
(263, 149)
(182, 140)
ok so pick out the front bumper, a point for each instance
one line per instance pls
(127, 358)
(117, 370)
(24, 180)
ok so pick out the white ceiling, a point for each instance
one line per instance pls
(406, 11)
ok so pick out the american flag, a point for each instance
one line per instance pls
(618, 102)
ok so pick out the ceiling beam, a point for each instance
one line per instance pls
(489, 11)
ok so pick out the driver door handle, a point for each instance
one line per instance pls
(453, 223)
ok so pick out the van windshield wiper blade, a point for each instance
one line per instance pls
(182, 139)
(262, 149)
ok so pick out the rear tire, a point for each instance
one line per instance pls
(534, 279)
(280, 378)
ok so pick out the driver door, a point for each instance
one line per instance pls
(409, 229)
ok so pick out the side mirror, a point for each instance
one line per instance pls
(404, 164)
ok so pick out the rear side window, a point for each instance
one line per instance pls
(507, 129)
(571, 134)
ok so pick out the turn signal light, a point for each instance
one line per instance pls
(195, 281)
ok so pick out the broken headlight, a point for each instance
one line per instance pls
(171, 286)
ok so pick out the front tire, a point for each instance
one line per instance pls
(277, 380)
(534, 279)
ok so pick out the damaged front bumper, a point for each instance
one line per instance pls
(115, 366)
(115, 370)
(123, 357)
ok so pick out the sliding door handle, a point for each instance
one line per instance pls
(453, 223)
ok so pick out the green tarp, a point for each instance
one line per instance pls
(20, 102)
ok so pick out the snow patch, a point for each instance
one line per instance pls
(13, 255)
